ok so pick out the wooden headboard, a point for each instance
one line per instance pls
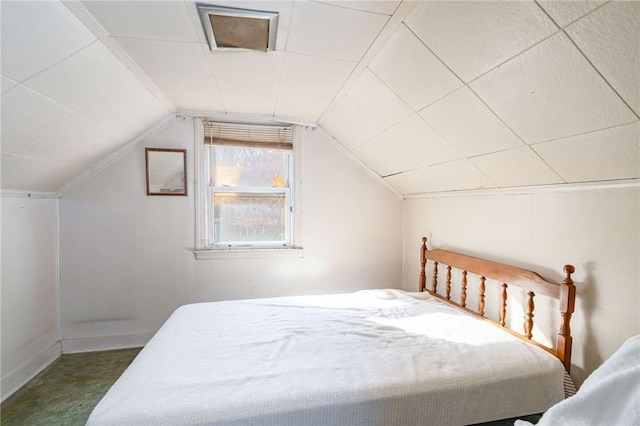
(508, 276)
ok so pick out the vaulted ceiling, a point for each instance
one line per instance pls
(432, 95)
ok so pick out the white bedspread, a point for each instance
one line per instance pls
(609, 396)
(373, 357)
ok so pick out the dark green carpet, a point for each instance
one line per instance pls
(66, 391)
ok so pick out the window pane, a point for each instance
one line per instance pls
(235, 166)
(249, 217)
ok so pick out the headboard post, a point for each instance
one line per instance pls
(567, 305)
(423, 262)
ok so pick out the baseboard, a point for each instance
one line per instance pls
(105, 343)
(27, 371)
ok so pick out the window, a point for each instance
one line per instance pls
(248, 186)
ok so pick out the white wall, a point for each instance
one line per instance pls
(127, 260)
(595, 230)
(29, 291)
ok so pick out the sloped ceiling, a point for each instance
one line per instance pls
(432, 96)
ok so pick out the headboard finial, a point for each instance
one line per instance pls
(569, 269)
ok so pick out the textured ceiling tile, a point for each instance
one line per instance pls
(423, 141)
(199, 104)
(516, 167)
(349, 124)
(308, 85)
(603, 155)
(178, 86)
(35, 35)
(94, 153)
(610, 37)
(551, 91)
(376, 99)
(564, 12)
(155, 20)
(144, 120)
(452, 176)
(412, 71)
(127, 107)
(27, 115)
(238, 87)
(250, 105)
(33, 174)
(302, 101)
(248, 96)
(167, 57)
(332, 32)
(330, 74)
(248, 65)
(469, 125)
(67, 139)
(472, 37)
(385, 155)
(7, 84)
(81, 79)
(375, 6)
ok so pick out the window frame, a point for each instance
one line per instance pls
(204, 246)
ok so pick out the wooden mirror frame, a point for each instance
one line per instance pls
(152, 164)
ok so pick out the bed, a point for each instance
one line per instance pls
(375, 357)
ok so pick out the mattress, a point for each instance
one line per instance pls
(378, 357)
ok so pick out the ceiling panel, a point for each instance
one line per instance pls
(308, 84)
(81, 79)
(332, 32)
(412, 71)
(302, 101)
(386, 155)
(167, 57)
(565, 12)
(154, 20)
(329, 74)
(6, 84)
(469, 125)
(186, 86)
(243, 88)
(33, 174)
(248, 96)
(36, 35)
(27, 115)
(603, 155)
(610, 37)
(375, 6)
(424, 142)
(61, 143)
(551, 91)
(516, 167)
(472, 37)
(129, 107)
(349, 124)
(92, 154)
(199, 104)
(452, 176)
(377, 100)
(248, 65)
(253, 105)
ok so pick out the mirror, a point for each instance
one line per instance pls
(166, 171)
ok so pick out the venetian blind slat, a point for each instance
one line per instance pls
(252, 136)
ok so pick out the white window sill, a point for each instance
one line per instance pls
(289, 252)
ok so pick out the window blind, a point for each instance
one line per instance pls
(249, 135)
